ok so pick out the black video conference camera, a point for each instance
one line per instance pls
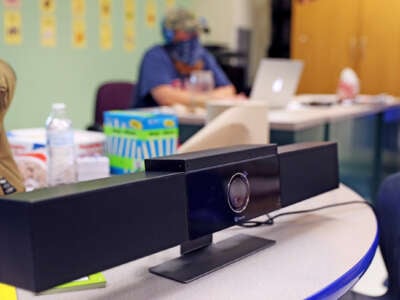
(55, 235)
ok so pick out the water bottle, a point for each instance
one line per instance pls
(60, 147)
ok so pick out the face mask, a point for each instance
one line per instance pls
(188, 52)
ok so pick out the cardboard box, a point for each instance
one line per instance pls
(132, 136)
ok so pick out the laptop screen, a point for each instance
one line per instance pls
(276, 81)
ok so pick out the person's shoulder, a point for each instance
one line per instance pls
(155, 51)
(156, 57)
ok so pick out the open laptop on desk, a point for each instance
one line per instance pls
(276, 81)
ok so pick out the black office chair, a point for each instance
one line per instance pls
(235, 63)
(388, 210)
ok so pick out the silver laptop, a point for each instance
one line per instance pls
(276, 81)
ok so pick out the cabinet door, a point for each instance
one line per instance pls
(324, 36)
(380, 47)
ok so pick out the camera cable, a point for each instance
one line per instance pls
(271, 219)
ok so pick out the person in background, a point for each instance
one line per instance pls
(11, 180)
(165, 68)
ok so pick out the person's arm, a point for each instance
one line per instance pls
(168, 95)
(226, 91)
(156, 73)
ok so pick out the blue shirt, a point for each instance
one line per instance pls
(157, 68)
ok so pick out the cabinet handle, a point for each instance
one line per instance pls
(303, 38)
(353, 45)
(363, 45)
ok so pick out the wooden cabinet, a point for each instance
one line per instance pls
(362, 34)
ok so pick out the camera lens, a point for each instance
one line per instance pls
(238, 192)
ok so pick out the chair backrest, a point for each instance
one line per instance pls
(113, 95)
(388, 211)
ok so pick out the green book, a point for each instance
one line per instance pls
(89, 282)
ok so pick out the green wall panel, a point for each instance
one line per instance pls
(66, 74)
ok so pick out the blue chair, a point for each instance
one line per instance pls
(388, 211)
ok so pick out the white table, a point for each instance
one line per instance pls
(315, 253)
(298, 117)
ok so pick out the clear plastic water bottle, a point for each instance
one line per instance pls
(60, 147)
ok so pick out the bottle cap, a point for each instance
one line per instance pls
(58, 106)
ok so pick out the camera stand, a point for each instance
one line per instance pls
(201, 257)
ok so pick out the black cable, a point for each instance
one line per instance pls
(270, 220)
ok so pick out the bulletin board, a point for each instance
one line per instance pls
(62, 50)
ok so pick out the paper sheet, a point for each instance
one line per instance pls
(7, 292)
(12, 27)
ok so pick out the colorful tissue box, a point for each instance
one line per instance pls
(132, 136)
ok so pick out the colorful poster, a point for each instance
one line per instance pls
(12, 27)
(79, 39)
(78, 8)
(129, 10)
(151, 13)
(105, 36)
(48, 31)
(47, 6)
(105, 9)
(129, 37)
(12, 3)
(170, 3)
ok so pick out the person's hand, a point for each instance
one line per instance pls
(241, 96)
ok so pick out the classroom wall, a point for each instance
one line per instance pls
(225, 17)
(71, 75)
(261, 34)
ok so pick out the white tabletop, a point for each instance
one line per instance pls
(298, 116)
(312, 251)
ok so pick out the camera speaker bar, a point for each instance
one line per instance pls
(306, 170)
(55, 235)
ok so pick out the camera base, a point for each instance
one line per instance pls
(201, 262)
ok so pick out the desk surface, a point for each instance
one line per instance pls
(298, 117)
(319, 252)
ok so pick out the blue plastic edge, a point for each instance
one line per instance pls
(345, 282)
